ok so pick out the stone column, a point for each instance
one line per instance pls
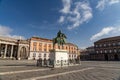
(0, 50)
(5, 51)
(11, 52)
(18, 53)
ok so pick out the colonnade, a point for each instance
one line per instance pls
(8, 50)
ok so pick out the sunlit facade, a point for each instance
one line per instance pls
(40, 48)
(11, 48)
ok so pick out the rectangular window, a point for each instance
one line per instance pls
(66, 47)
(44, 55)
(74, 55)
(69, 55)
(40, 44)
(34, 48)
(49, 46)
(40, 49)
(45, 50)
(45, 45)
(119, 50)
(39, 55)
(35, 44)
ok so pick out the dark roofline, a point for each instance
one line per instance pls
(90, 47)
(108, 39)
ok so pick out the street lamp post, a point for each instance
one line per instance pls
(61, 61)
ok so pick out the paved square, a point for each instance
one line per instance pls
(88, 70)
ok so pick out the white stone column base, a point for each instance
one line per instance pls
(4, 57)
(19, 59)
(29, 58)
(60, 58)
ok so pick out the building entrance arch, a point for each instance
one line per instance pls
(106, 57)
(23, 53)
(116, 57)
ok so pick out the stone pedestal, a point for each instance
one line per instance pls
(59, 58)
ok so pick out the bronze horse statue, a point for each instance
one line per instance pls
(60, 39)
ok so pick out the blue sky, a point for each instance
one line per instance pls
(83, 21)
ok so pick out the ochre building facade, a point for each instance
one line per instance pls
(32, 49)
(40, 48)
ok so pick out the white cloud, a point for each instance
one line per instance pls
(114, 2)
(61, 19)
(6, 31)
(66, 6)
(107, 31)
(16, 36)
(76, 14)
(102, 3)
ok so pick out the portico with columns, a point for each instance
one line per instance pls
(13, 49)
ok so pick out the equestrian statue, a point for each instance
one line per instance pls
(60, 39)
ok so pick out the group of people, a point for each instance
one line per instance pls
(47, 63)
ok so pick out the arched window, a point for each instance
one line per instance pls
(105, 51)
(110, 51)
(119, 43)
(23, 52)
(96, 45)
(114, 44)
(115, 50)
(101, 51)
(104, 45)
(109, 44)
(119, 50)
(96, 51)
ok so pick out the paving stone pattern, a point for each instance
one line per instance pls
(102, 70)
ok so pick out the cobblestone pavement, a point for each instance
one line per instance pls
(87, 70)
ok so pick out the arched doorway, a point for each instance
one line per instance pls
(116, 57)
(23, 53)
(106, 57)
